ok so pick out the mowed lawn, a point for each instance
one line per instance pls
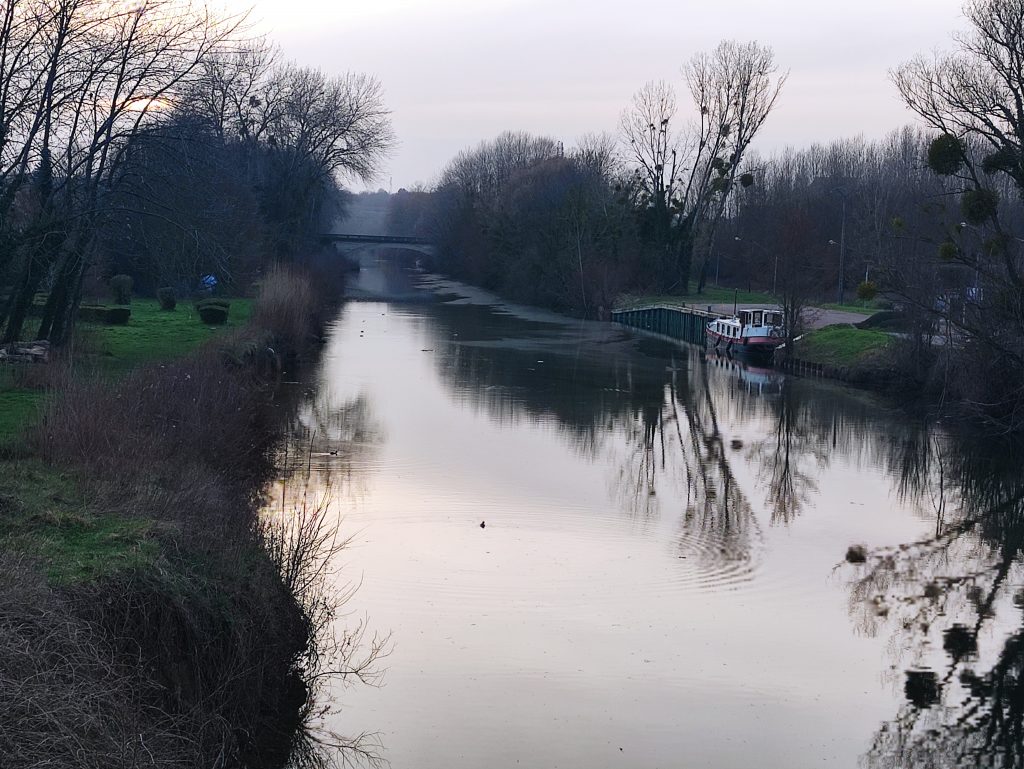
(151, 335)
(842, 345)
(722, 295)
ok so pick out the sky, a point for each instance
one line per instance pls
(456, 72)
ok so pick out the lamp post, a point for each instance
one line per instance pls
(842, 244)
(775, 269)
(867, 260)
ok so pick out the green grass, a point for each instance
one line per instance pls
(842, 345)
(43, 510)
(153, 334)
(864, 308)
(18, 408)
(44, 514)
(711, 295)
(720, 295)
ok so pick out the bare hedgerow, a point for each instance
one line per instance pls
(66, 699)
(303, 541)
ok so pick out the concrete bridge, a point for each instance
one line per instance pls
(347, 243)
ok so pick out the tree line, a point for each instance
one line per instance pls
(924, 220)
(158, 140)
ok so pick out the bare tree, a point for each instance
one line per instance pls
(686, 177)
(109, 71)
(974, 98)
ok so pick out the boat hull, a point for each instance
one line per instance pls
(752, 346)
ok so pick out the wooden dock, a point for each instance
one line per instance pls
(685, 323)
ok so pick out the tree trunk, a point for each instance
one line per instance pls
(22, 300)
(57, 300)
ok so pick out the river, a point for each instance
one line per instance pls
(593, 549)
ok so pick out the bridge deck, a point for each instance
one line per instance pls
(345, 237)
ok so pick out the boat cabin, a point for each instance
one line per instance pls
(759, 322)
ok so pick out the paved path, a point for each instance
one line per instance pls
(816, 317)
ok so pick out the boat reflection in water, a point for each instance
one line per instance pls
(755, 379)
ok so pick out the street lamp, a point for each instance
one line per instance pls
(775, 271)
(867, 262)
(842, 244)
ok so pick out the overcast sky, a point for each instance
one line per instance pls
(459, 71)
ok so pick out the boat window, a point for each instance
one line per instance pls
(757, 319)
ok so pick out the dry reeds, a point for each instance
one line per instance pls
(288, 306)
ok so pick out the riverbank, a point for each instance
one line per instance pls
(721, 299)
(857, 356)
(144, 611)
(152, 334)
(839, 344)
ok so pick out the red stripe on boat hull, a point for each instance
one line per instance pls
(750, 343)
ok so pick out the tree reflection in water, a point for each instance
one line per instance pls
(784, 456)
(644, 407)
(329, 440)
(953, 603)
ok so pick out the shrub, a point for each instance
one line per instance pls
(168, 301)
(213, 314)
(121, 289)
(116, 316)
(867, 290)
(112, 316)
(91, 313)
(948, 251)
(213, 303)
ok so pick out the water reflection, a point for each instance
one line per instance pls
(329, 442)
(790, 457)
(655, 570)
(953, 603)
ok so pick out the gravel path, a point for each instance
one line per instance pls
(816, 317)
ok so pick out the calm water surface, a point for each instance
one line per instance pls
(661, 580)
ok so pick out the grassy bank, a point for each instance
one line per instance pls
(151, 335)
(722, 295)
(144, 611)
(843, 345)
(19, 407)
(710, 295)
